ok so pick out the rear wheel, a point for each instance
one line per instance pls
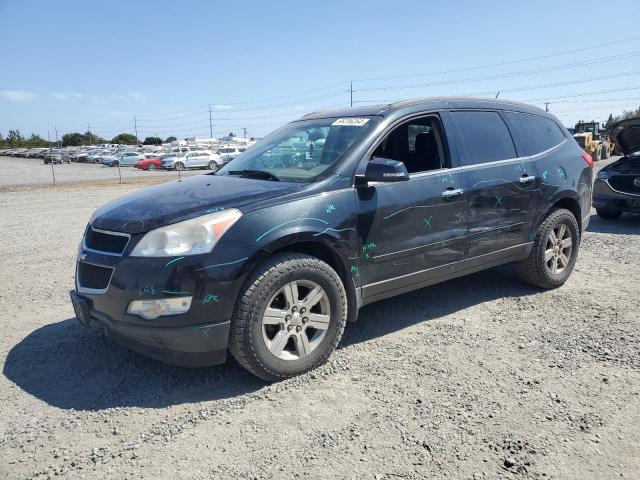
(290, 317)
(115, 164)
(212, 165)
(151, 166)
(608, 214)
(179, 166)
(554, 253)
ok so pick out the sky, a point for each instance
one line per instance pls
(67, 65)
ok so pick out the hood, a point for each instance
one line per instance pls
(629, 165)
(626, 135)
(173, 202)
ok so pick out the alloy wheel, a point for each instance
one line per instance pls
(296, 320)
(559, 248)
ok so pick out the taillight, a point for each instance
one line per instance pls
(587, 158)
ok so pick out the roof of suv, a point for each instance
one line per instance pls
(435, 103)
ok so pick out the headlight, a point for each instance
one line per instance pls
(191, 237)
(603, 175)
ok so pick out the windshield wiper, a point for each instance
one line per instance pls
(256, 173)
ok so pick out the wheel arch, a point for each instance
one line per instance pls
(319, 248)
(568, 202)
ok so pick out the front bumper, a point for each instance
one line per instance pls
(605, 198)
(198, 337)
(192, 346)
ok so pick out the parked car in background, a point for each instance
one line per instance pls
(56, 157)
(97, 155)
(617, 186)
(148, 163)
(229, 153)
(193, 159)
(125, 159)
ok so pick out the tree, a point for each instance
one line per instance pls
(36, 141)
(152, 141)
(170, 139)
(125, 139)
(74, 139)
(15, 139)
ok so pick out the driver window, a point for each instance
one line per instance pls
(418, 143)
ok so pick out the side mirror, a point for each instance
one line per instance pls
(385, 170)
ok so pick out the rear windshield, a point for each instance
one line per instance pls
(303, 151)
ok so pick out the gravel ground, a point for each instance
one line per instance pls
(32, 171)
(479, 377)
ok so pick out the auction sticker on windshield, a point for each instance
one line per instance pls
(350, 122)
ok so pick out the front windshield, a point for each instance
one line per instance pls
(303, 151)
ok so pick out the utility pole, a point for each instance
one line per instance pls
(546, 106)
(57, 141)
(497, 94)
(244, 132)
(135, 127)
(53, 173)
(351, 93)
(89, 132)
(210, 124)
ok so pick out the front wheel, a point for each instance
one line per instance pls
(213, 165)
(115, 164)
(608, 214)
(290, 317)
(554, 253)
(179, 166)
(151, 166)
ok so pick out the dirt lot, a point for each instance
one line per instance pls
(480, 377)
(32, 171)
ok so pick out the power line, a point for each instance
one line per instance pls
(500, 64)
(507, 75)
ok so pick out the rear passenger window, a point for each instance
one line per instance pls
(534, 134)
(485, 137)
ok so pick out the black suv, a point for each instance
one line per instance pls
(617, 186)
(270, 256)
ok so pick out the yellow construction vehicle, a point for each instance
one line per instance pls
(593, 140)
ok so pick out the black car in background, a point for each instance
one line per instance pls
(270, 257)
(617, 186)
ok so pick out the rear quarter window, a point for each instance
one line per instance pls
(485, 137)
(534, 134)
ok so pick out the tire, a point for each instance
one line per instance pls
(213, 165)
(536, 270)
(608, 214)
(605, 152)
(598, 153)
(252, 339)
(179, 166)
(151, 166)
(115, 164)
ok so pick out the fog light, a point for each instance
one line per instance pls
(159, 307)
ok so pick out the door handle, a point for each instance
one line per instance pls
(527, 179)
(448, 194)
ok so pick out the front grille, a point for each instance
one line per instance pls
(625, 183)
(106, 241)
(93, 277)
